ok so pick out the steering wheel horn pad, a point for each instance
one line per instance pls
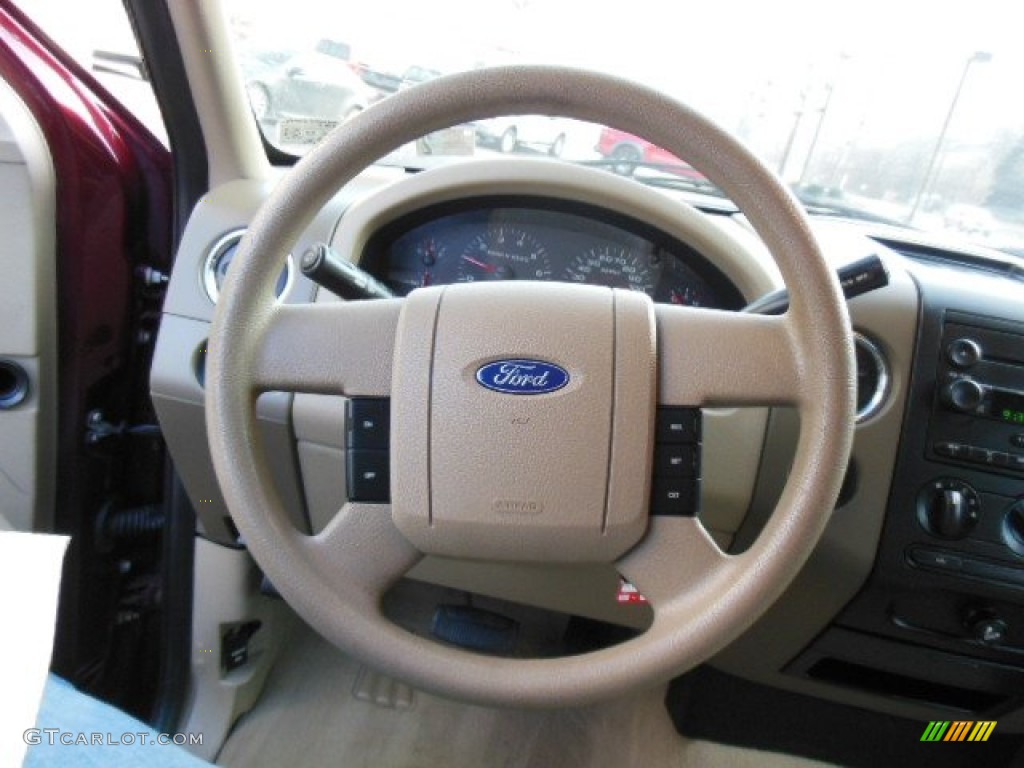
(517, 475)
(450, 436)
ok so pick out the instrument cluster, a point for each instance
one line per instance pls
(539, 239)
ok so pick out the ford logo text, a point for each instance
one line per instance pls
(522, 377)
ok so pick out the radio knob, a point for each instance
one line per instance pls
(963, 353)
(964, 395)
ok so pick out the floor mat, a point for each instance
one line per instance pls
(308, 716)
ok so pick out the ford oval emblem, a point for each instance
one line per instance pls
(522, 377)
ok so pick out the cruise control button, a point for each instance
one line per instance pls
(676, 461)
(368, 478)
(678, 425)
(675, 496)
(368, 420)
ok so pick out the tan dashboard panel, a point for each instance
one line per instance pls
(844, 556)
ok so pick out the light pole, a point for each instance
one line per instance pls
(979, 57)
(830, 88)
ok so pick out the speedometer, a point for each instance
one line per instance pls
(613, 266)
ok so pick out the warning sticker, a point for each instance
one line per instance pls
(629, 593)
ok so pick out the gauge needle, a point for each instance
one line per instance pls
(482, 265)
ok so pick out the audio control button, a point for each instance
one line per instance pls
(1017, 441)
(979, 455)
(963, 353)
(993, 572)
(963, 394)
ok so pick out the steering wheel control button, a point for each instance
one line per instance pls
(675, 489)
(676, 461)
(948, 508)
(678, 425)
(368, 476)
(675, 496)
(368, 420)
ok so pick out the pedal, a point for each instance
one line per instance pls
(375, 688)
(475, 629)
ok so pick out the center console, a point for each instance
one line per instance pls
(941, 619)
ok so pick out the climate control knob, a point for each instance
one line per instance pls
(963, 394)
(948, 508)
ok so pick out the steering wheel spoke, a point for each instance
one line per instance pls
(360, 550)
(710, 358)
(673, 558)
(329, 348)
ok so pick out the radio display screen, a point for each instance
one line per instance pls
(1008, 406)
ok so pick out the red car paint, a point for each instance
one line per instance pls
(613, 141)
(114, 206)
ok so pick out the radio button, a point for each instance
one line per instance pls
(963, 353)
(979, 455)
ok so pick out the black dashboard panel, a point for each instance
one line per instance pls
(528, 238)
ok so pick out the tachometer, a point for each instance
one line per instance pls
(504, 253)
(613, 266)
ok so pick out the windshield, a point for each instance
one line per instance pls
(906, 114)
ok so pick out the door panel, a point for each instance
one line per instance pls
(28, 337)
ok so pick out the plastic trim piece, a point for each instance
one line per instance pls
(208, 273)
(881, 393)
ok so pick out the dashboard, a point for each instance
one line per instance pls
(523, 238)
(915, 587)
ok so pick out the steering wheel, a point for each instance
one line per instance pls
(557, 476)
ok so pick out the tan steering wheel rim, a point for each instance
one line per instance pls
(702, 598)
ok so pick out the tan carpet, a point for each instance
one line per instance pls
(308, 716)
